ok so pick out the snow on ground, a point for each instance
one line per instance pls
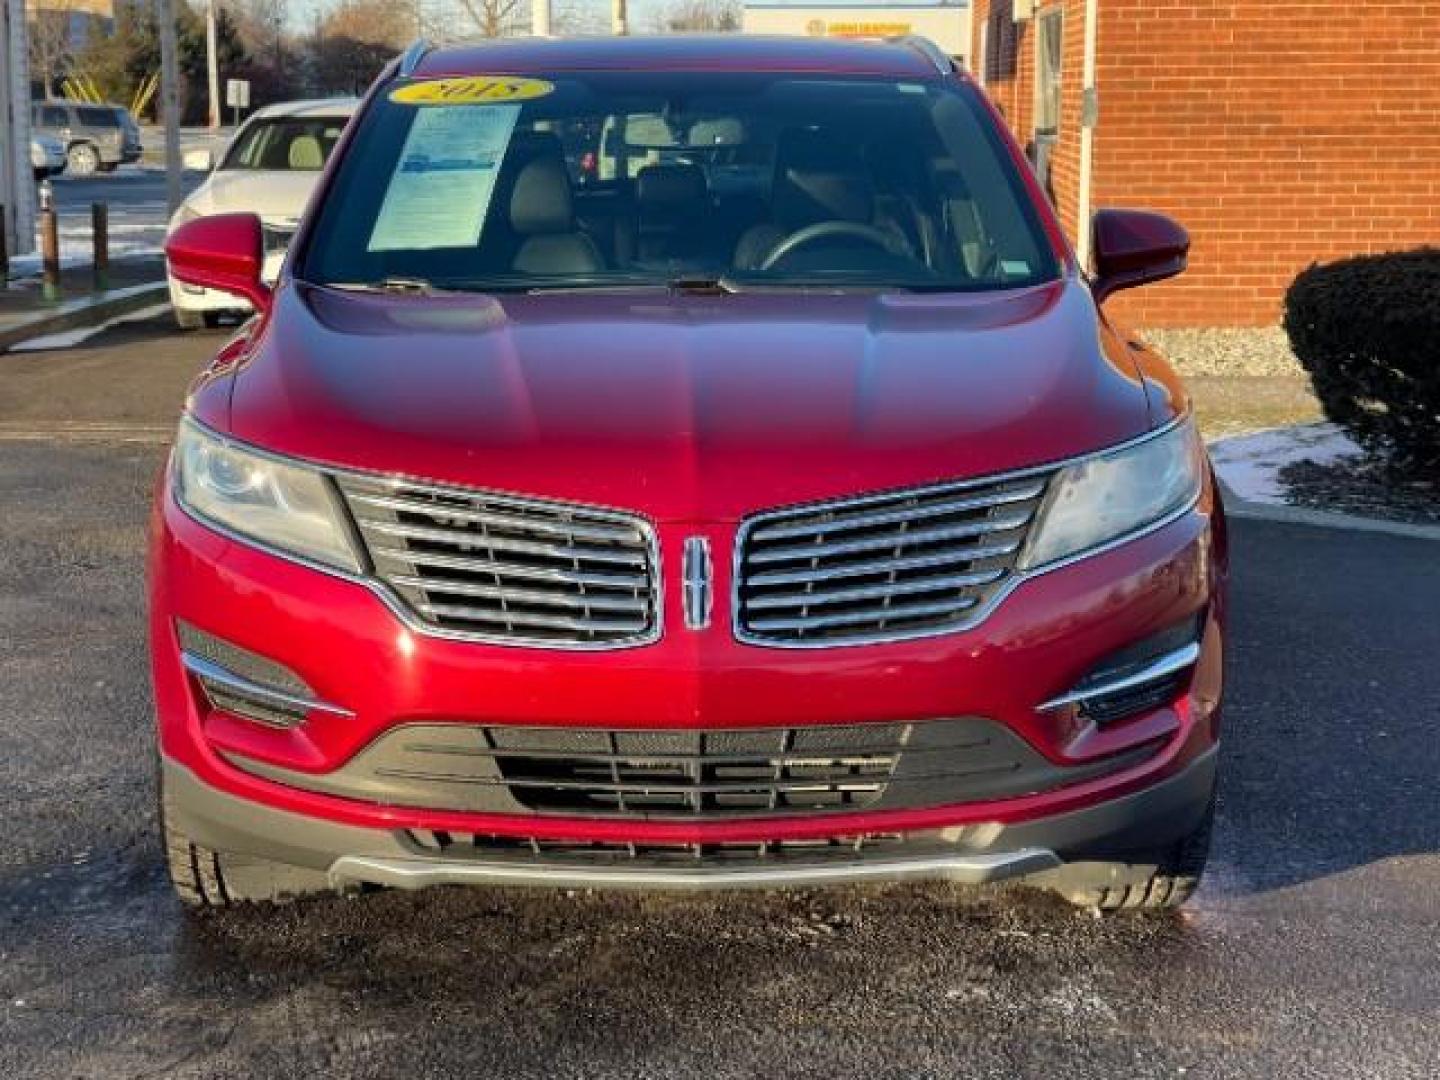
(1250, 464)
(68, 339)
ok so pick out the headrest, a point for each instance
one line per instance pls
(540, 201)
(671, 187)
(819, 177)
(305, 153)
(720, 131)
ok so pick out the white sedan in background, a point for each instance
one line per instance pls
(47, 156)
(269, 168)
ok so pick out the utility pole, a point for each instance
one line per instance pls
(17, 183)
(619, 20)
(540, 18)
(212, 62)
(170, 100)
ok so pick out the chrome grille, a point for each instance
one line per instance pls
(508, 569)
(881, 567)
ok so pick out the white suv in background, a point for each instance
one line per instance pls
(269, 168)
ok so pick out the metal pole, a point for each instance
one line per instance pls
(49, 244)
(4, 246)
(100, 241)
(619, 20)
(1089, 118)
(170, 99)
(212, 63)
(540, 18)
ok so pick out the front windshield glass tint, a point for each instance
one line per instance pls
(606, 179)
(301, 145)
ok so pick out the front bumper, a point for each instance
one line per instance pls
(349, 646)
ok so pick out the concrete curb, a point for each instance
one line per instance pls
(86, 311)
(1245, 509)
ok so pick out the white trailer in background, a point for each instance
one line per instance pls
(17, 182)
(945, 22)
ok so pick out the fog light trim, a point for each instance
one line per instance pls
(229, 685)
(1161, 667)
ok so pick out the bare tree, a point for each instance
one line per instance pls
(496, 18)
(52, 44)
(355, 40)
(699, 16)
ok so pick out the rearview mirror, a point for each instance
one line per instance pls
(199, 160)
(224, 252)
(1135, 247)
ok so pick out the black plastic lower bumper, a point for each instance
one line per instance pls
(1140, 822)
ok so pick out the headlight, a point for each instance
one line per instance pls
(282, 505)
(1111, 495)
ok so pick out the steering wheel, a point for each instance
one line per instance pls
(825, 229)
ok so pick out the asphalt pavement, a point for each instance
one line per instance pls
(1310, 951)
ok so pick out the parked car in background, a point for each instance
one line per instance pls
(96, 138)
(270, 167)
(47, 156)
(815, 526)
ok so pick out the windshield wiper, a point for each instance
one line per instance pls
(705, 285)
(412, 286)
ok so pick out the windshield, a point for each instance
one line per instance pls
(603, 179)
(285, 145)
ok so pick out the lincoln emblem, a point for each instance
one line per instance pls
(699, 584)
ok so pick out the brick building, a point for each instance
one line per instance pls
(1280, 133)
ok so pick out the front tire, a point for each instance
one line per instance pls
(82, 159)
(203, 878)
(1155, 881)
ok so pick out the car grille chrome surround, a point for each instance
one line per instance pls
(884, 567)
(510, 570)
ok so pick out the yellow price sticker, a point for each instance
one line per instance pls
(471, 90)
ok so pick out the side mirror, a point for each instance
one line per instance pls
(1135, 247)
(199, 160)
(224, 252)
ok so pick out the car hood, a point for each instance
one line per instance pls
(687, 407)
(276, 196)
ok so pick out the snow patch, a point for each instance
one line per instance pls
(1250, 464)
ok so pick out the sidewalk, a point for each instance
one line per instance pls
(24, 312)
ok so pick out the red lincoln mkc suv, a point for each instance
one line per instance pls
(685, 462)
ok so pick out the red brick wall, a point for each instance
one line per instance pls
(1278, 133)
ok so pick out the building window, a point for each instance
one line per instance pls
(1049, 57)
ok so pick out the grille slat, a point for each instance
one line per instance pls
(884, 566)
(881, 567)
(466, 613)
(897, 517)
(874, 592)
(510, 570)
(819, 549)
(466, 540)
(460, 587)
(498, 519)
(430, 560)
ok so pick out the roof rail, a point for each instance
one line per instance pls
(411, 57)
(926, 48)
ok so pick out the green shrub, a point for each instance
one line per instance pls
(1368, 331)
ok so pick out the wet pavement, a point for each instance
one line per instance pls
(1311, 950)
